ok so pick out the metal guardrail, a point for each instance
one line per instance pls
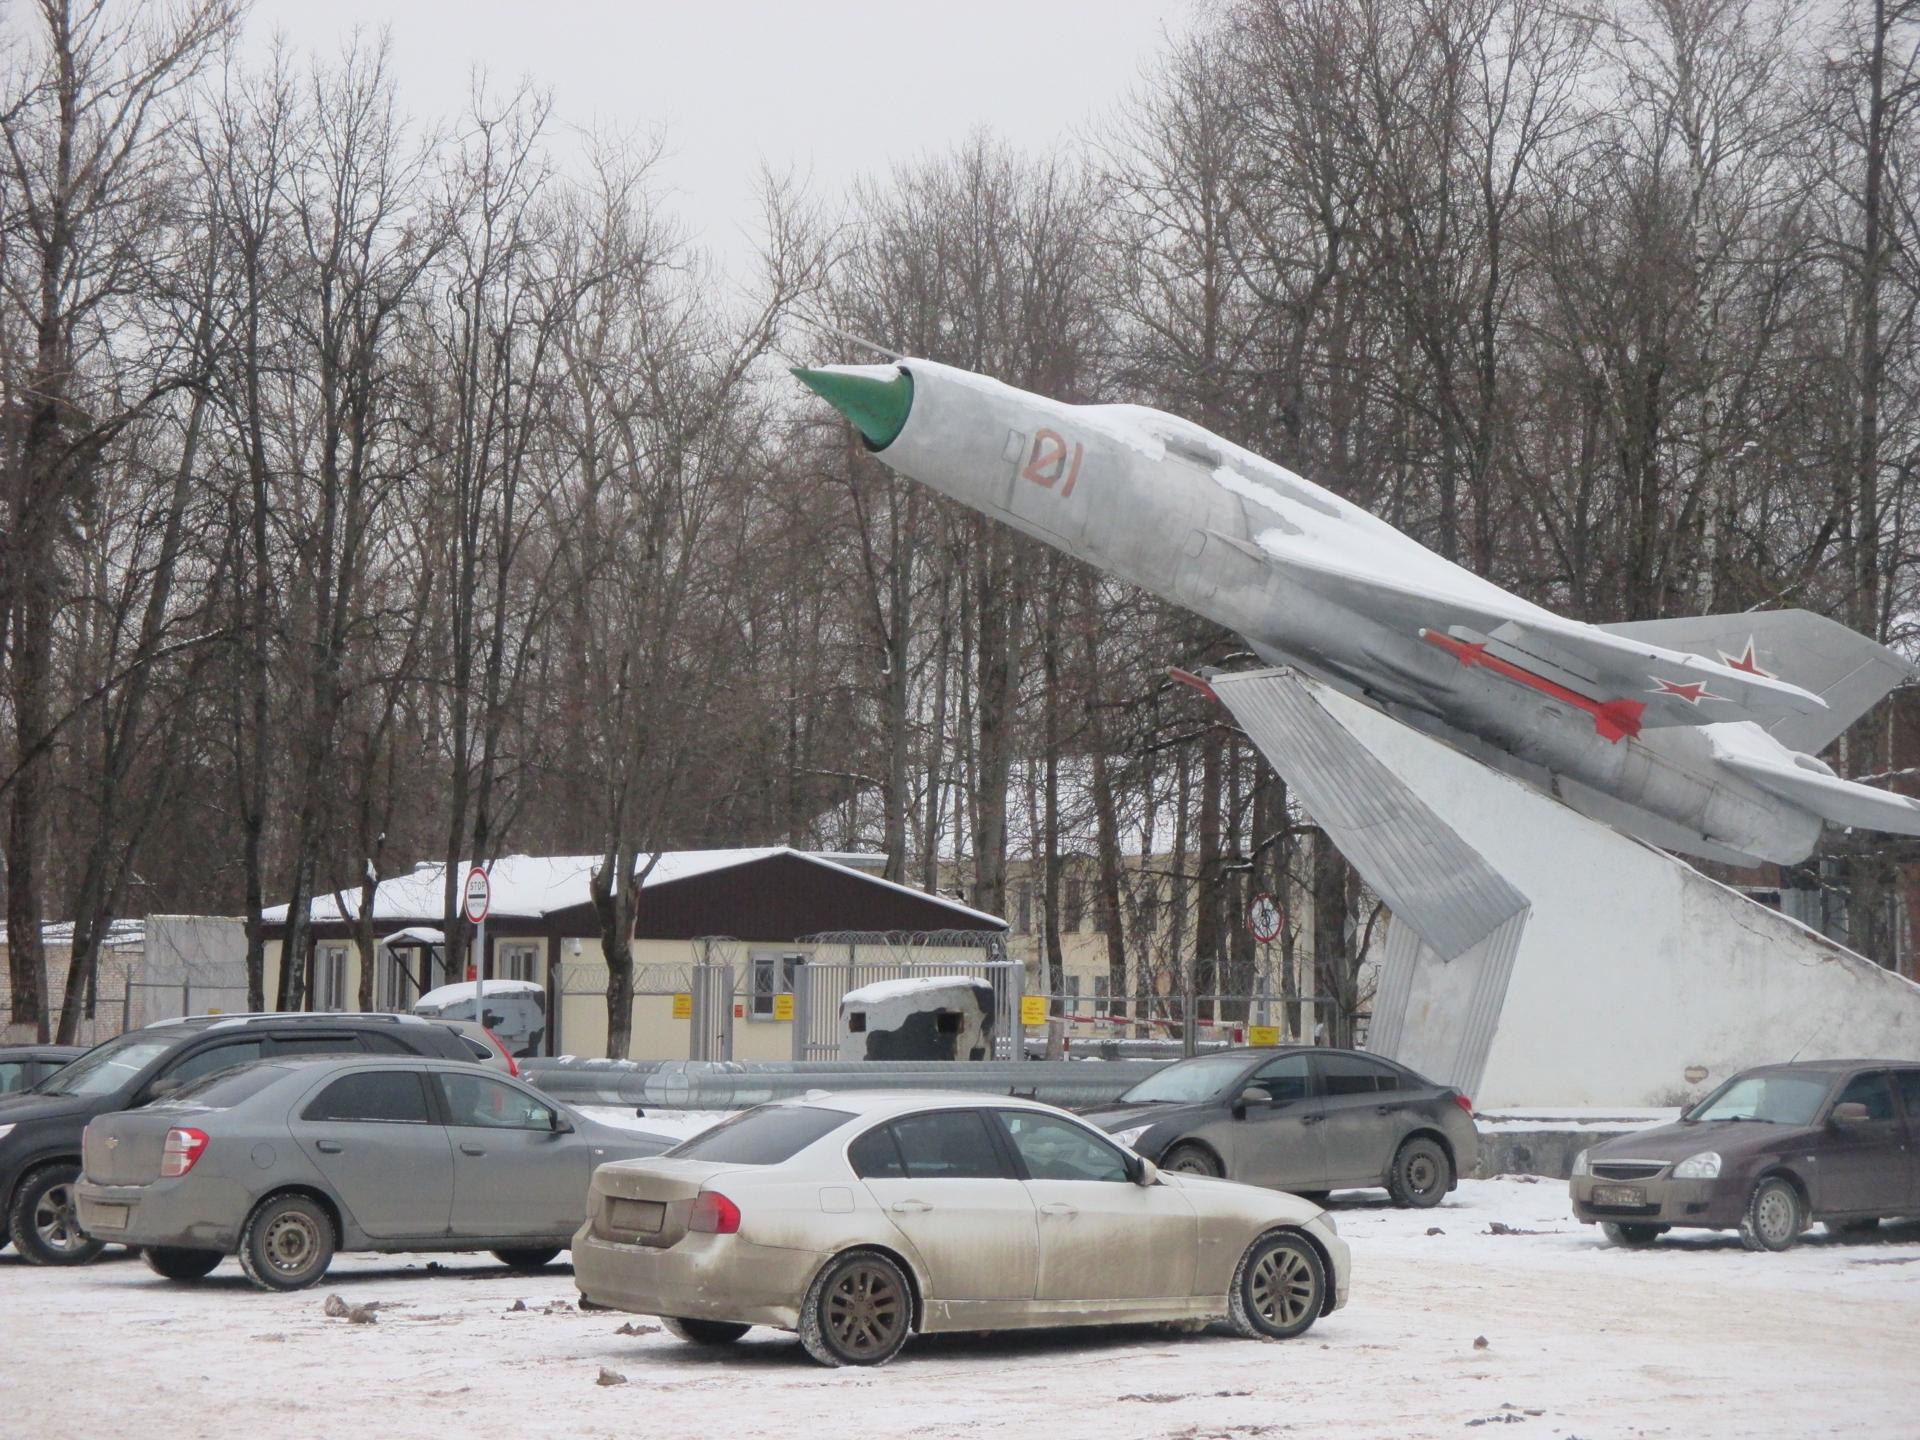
(733, 1084)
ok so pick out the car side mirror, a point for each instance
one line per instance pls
(1145, 1172)
(1850, 1113)
(1249, 1097)
(166, 1085)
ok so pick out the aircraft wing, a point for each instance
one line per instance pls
(1625, 682)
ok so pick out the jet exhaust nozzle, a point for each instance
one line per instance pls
(876, 398)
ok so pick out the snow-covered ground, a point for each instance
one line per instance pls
(1694, 1338)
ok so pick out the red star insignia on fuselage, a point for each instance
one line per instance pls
(1693, 691)
(1747, 662)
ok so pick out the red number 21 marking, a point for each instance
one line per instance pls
(1051, 460)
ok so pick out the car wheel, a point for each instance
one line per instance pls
(288, 1243)
(44, 1222)
(1774, 1216)
(1853, 1229)
(1279, 1287)
(1422, 1174)
(703, 1332)
(1193, 1160)
(171, 1262)
(527, 1260)
(858, 1311)
(1631, 1237)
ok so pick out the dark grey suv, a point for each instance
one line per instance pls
(1309, 1120)
(40, 1128)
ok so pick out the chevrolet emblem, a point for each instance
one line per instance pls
(113, 1142)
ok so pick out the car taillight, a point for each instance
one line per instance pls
(1463, 1102)
(184, 1147)
(513, 1066)
(714, 1214)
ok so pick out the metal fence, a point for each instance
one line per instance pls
(1188, 1024)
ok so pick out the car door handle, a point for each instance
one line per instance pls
(1065, 1212)
(328, 1147)
(467, 1147)
(910, 1207)
(1311, 1119)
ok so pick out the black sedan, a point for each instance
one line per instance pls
(1308, 1120)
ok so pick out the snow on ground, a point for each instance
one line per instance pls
(1694, 1338)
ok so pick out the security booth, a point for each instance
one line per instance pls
(921, 1017)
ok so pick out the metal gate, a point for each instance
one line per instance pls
(710, 1037)
(820, 985)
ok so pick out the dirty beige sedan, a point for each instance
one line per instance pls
(857, 1220)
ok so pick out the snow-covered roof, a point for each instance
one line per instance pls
(527, 887)
(121, 934)
(413, 935)
(881, 991)
(463, 990)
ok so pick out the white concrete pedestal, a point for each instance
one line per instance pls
(1536, 957)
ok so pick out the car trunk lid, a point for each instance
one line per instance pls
(647, 1202)
(125, 1148)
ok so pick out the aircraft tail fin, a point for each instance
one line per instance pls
(1843, 667)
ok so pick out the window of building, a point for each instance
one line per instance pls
(1023, 908)
(517, 962)
(330, 977)
(1073, 913)
(772, 976)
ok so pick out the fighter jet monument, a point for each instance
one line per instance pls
(1695, 735)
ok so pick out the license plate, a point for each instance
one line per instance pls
(1619, 1195)
(640, 1216)
(107, 1217)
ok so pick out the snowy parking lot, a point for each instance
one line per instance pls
(1511, 1314)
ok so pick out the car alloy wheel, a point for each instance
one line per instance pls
(865, 1310)
(45, 1222)
(1279, 1287)
(858, 1311)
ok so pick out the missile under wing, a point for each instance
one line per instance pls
(1689, 733)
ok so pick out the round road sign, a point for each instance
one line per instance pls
(479, 895)
(1264, 918)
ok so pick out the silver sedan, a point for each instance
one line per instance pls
(285, 1162)
(856, 1220)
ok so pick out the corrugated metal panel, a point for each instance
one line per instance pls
(1450, 906)
(1430, 877)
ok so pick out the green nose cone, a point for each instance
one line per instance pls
(877, 407)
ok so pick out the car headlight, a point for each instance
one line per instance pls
(1704, 1166)
(1127, 1137)
(1580, 1166)
(5, 1130)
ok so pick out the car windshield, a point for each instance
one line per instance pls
(106, 1067)
(1187, 1082)
(1777, 1099)
(765, 1136)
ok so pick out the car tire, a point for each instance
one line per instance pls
(1421, 1175)
(288, 1243)
(528, 1260)
(858, 1311)
(703, 1332)
(43, 1221)
(1190, 1159)
(1629, 1236)
(1774, 1216)
(1856, 1229)
(173, 1262)
(1279, 1287)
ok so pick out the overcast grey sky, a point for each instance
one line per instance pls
(840, 88)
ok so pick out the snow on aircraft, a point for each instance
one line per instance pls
(1696, 734)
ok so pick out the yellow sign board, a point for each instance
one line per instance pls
(783, 1007)
(683, 1007)
(1033, 1009)
(1263, 1035)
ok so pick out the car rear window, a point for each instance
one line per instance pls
(224, 1089)
(765, 1136)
